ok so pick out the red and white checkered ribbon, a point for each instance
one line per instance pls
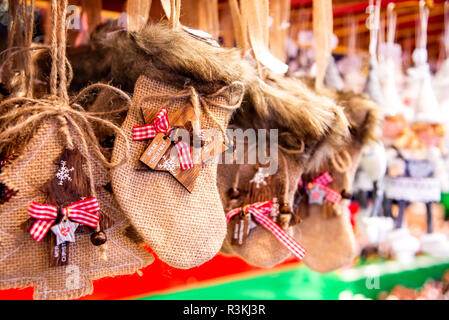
(149, 131)
(322, 181)
(259, 212)
(83, 211)
(161, 125)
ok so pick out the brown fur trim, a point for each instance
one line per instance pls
(363, 115)
(362, 112)
(288, 105)
(158, 52)
(118, 57)
(175, 57)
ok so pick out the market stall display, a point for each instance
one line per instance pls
(224, 144)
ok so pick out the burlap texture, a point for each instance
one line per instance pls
(261, 248)
(329, 239)
(184, 229)
(25, 262)
(330, 242)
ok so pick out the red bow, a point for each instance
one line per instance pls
(322, 181)
(83, 211)
(259, 212)
(161, 125)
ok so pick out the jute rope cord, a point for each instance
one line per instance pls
(28, 22)
(68, 112)
(13, 31)
(291, 151)
(342, 161)
(251, 29)
(200, 104)
(240, 28)
(17, 40)
(286, 179)
(18, 50)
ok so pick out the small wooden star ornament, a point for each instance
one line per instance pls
(65, 231)
(316, 194)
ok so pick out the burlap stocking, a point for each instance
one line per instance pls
(326, 230)
(330, 241)
(184, 229)
(261, 248)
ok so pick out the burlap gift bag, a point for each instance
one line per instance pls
(325, 229)
(184, 229)
(62, 229)
(244, 184)
(26, 262)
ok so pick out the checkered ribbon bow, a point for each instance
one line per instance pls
(161, 125)
(83, 212)
(322, 181)
(259, 212)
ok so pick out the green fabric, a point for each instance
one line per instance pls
(303, 284)
(445, 203)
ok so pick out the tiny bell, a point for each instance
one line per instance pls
(346, 195)
(285, 208)
(98, 238)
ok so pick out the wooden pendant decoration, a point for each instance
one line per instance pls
(160, 155)
(68, 187)
(161, 143)
(262, 187)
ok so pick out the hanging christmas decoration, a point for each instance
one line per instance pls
(55, 222)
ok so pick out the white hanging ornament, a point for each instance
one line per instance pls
(419, 77)
(332, 78)
(392, 103)
(372, 87)
(427, 107)
(441, 87)
(374, 161)
(441, 78)
(350, 68)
